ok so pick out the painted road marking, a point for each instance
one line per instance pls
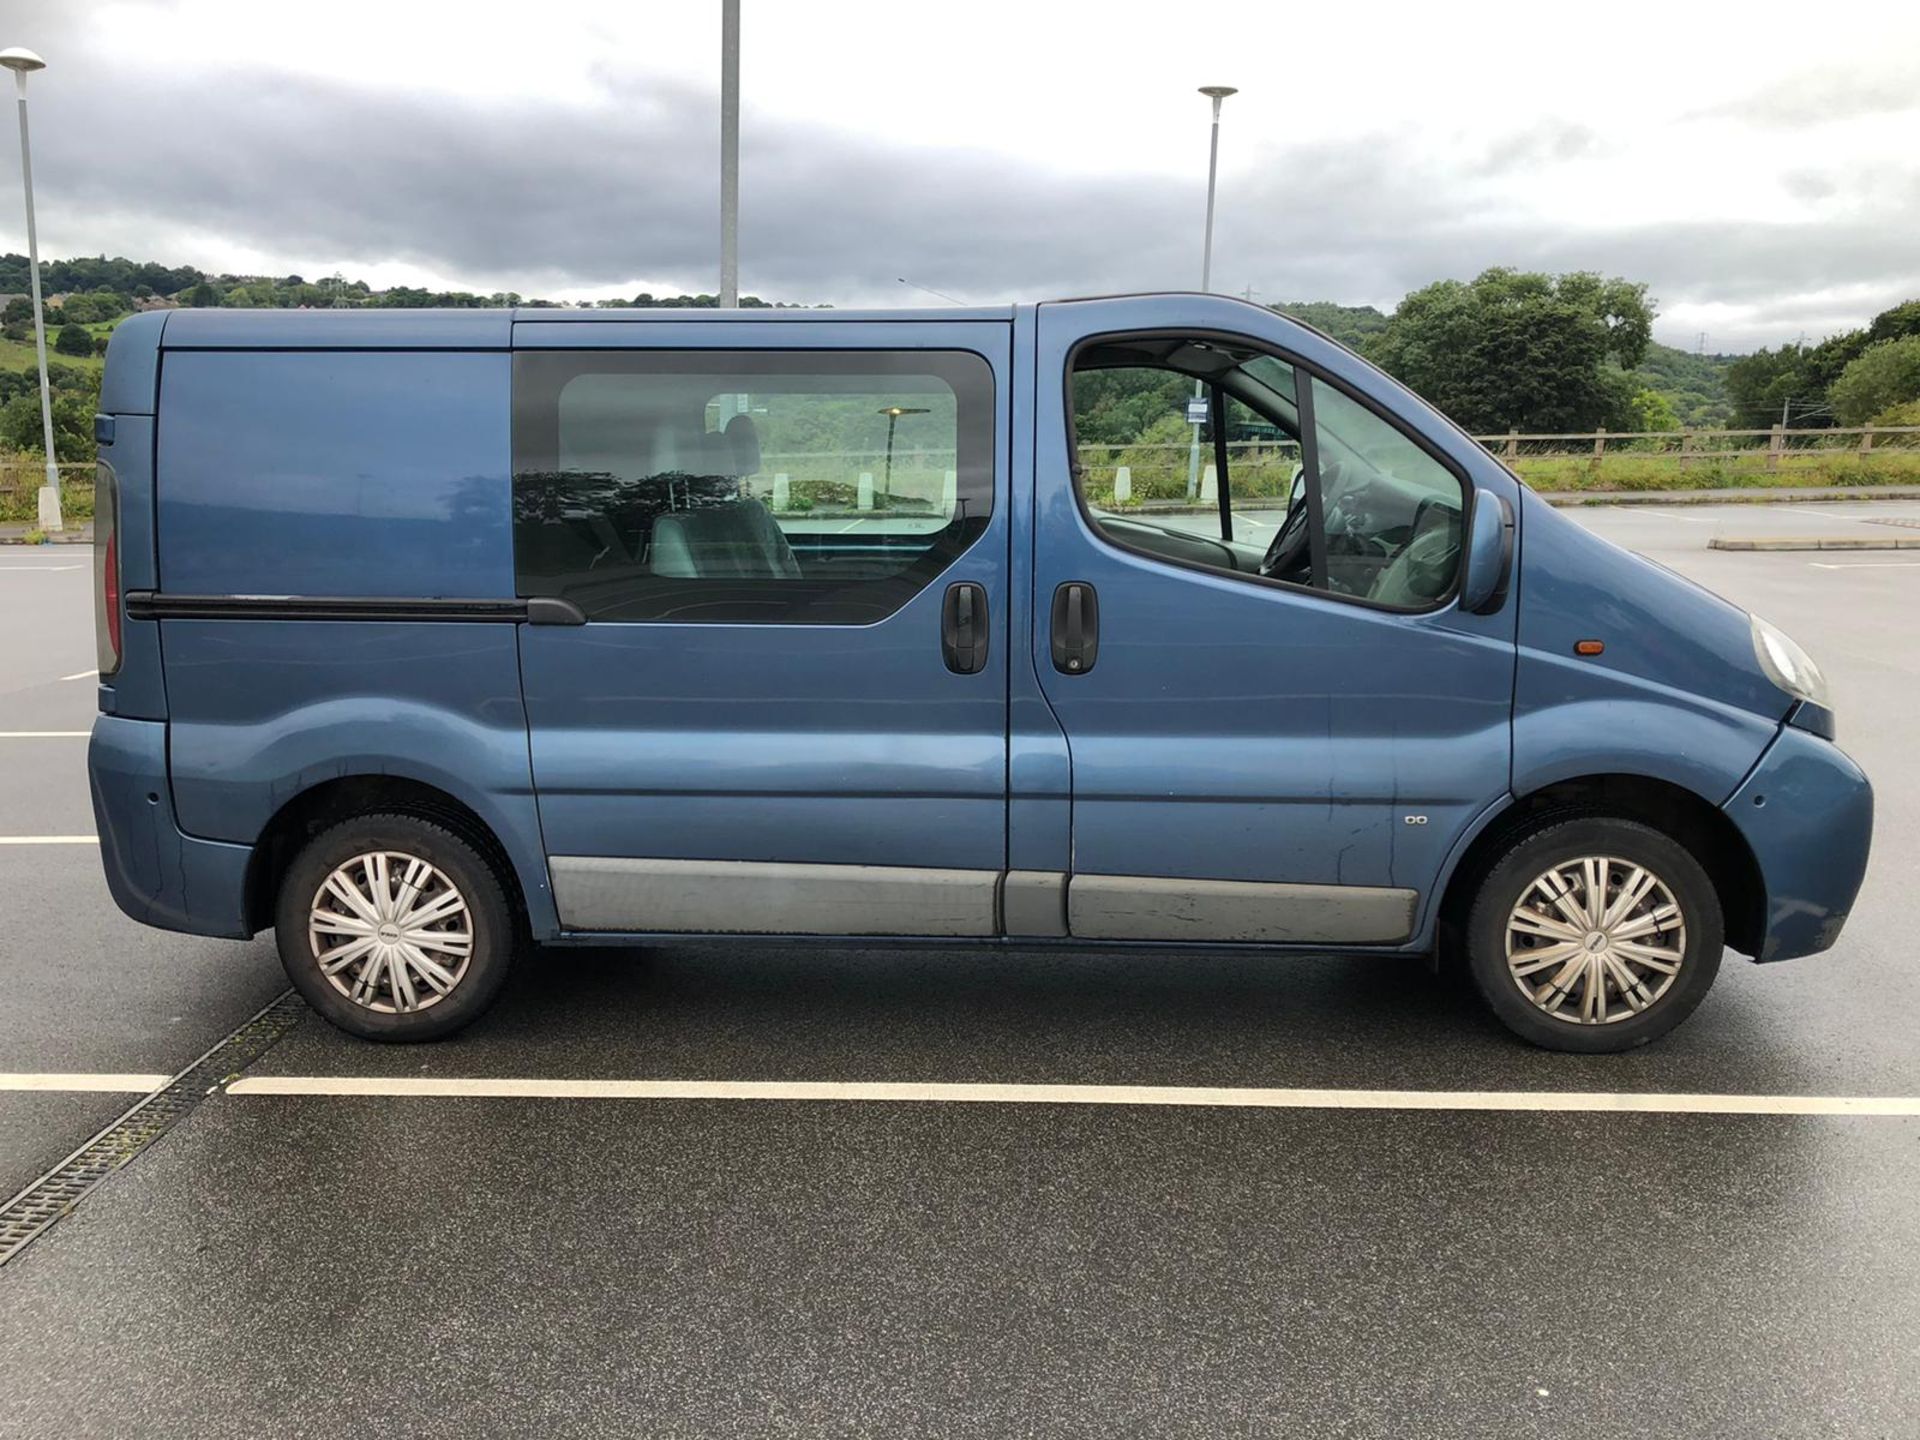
(44, 734)
(81, 675)
(49, 839)
(1866, 565)
(91, 1084)
(517, 1088)
(1690, 519)
(37, 569)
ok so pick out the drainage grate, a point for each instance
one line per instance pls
(61, 1188)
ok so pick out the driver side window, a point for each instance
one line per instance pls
(1203, 454)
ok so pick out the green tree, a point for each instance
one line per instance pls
(74, 340)
(1516, 348)
(72, 425)
(1884, 375)
(1650, 410)
(1760, 385)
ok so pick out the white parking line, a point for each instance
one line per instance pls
(81, 675)
(419, 1087)
(49, 839)
(45, 734)
(37, 569)
(54, 1083)
(1865, 564)
(1675, 515)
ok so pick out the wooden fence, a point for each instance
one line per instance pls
(1688, 446)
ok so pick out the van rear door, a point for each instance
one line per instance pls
(784, 710)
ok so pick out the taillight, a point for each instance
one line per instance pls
(106, 569)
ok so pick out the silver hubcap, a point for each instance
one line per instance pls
(390, 932)
(1595, 940)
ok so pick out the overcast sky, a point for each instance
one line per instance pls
(1758, 166)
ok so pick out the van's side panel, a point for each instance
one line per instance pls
(264, 710)
(341, 473)
(370, 473)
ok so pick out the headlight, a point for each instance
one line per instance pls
(1786, 664)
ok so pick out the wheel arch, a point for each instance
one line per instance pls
(1674, 810)
(316, 808)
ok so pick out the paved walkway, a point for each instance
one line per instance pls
(1742, 495)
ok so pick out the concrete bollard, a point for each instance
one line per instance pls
(1210, 484)
(865, 500)
(950, 492)
(1122, 485)
(782, 491)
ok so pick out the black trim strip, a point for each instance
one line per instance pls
(155, 605)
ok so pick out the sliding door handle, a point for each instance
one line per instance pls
(963, 628)
(1076, 627)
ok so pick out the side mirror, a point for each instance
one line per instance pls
(1489, 554)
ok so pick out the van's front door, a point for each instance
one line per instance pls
(785, 712)
(1279, 718)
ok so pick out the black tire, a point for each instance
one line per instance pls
(462, 868)
(1564, 842)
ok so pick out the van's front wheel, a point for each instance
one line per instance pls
(394, 928)
(1595, 935)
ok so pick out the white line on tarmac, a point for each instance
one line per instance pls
(49, 839)
(44, 734)
(1673, 515)
(37, 569)
(1866, 565)
(51, 1082)
(81, 675)
(1165, 1095)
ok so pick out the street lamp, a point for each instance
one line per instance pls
(23, 63)
(1215, 93)
(893, 414)
(729, 154)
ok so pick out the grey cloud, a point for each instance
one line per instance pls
(1551, 141)
(1815, 97)
(588, 194)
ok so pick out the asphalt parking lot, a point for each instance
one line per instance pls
(325, 1264)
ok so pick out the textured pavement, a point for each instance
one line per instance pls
(380, 1266)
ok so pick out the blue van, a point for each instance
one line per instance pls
(1156, 620)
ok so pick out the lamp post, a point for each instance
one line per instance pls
(893, 414)
(729, 154)
(23, 63)
(1215, 93)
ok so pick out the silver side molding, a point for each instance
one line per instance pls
(1147, 907)
(1034, 903)
(743, 897)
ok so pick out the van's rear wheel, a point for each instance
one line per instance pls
(1594, 935)
(394, 928)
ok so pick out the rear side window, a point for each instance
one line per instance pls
(817, 487)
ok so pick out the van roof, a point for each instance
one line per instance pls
(215, 329)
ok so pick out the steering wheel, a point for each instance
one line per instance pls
(1287, 557)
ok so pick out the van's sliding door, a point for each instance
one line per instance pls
(785, 711)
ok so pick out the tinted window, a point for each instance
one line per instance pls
(730, 486)
(1196, 452)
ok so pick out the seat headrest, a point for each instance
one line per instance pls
(744, 441)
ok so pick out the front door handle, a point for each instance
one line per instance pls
(963, 628)
(1076, 627)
